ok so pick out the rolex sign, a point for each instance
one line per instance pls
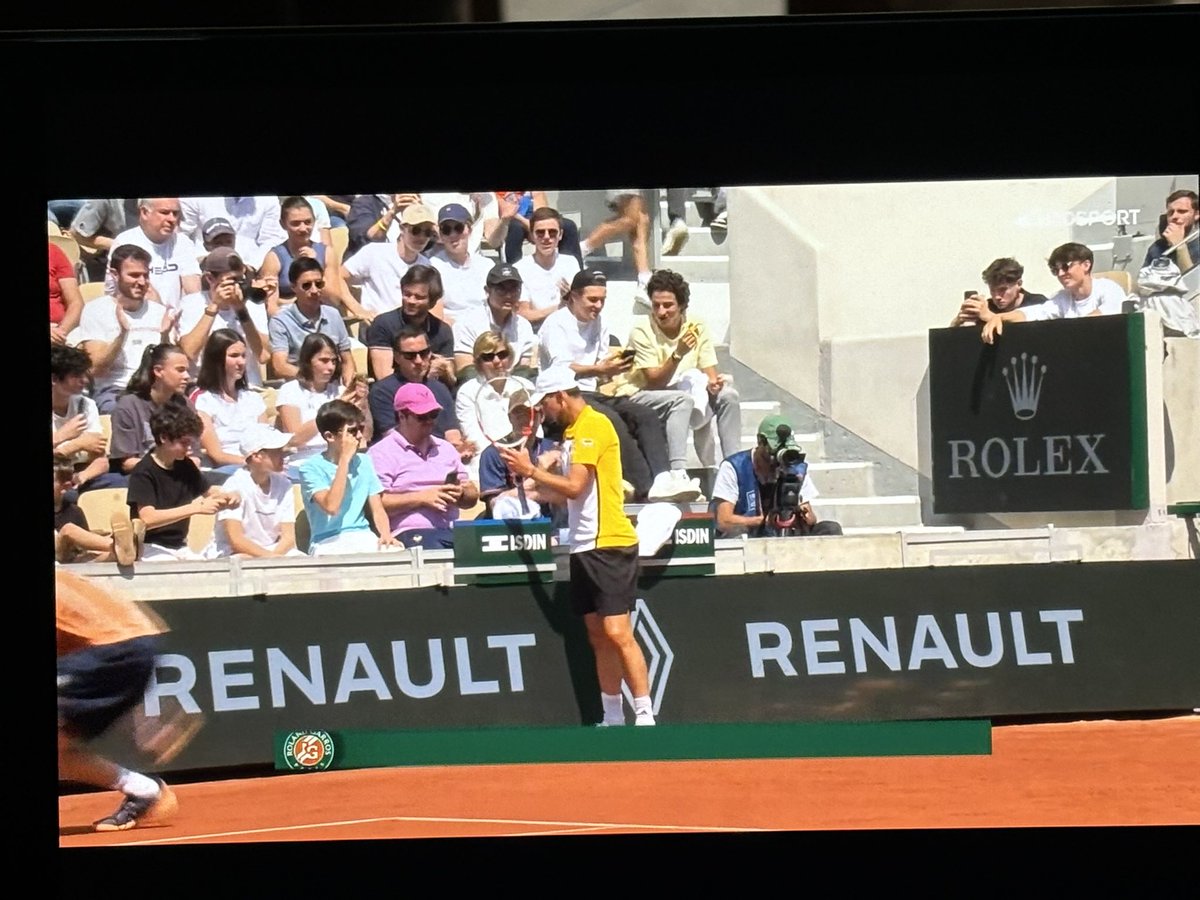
(1052, 417)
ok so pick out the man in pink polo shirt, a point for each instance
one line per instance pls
(424, 481)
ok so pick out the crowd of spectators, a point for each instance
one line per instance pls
(241, 346)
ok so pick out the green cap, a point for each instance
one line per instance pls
(768, 429)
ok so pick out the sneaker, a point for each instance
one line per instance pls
(674, 486)
(676, 236)
(644, 719)
(135, 811)
(125, 543)
(609, 724)
(720, 223)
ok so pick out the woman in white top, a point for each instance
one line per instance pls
(318, 381)
(492, 355)
(227, 407)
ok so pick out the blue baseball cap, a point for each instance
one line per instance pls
(454, 212)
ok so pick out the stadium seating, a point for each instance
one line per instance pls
(99, 505)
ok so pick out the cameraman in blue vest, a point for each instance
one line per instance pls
(766, 492)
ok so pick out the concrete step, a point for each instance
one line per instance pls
(936, 530)
(699, 269)
(709, 302)
(700, 242)
(843, 479)
(691, 214)
(861, 512)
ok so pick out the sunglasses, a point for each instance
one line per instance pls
(1063, 267)
(413, 354)
(452, 227)
(421, 232)
(545, 232)
(499, 354)
(319, 284)
(423, 417)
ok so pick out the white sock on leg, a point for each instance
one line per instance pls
(134, 784)
(644, 711)
(614, 710)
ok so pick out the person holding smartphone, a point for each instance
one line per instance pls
(1178, 230)
(424, 481)
(1006, 292)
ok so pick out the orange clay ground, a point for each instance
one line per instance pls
(1143, 772)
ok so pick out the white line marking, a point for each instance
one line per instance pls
(381, 819)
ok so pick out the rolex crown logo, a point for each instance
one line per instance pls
(1024, 380)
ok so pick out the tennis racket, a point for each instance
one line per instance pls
(506, 417)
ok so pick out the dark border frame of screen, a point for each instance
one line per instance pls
(214, 109)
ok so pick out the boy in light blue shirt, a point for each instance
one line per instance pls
(341, 491)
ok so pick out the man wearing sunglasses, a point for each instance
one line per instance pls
(424, 481)
(412, 363)
(464, 271)
(545, 276)
(498, 314)
(420, 292)
(379, 266)
(1081, 294)
(308, 315)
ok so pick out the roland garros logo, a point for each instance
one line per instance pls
(309, 751)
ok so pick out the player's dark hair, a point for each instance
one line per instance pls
(212, 361)
(673, 282)
(541, 214)
(66, 361)
(336, 415)
(314, 344)
(175, 420)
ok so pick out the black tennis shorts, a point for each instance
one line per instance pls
(97, 685)
(604, 580)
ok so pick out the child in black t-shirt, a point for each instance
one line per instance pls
(166, 488)
(74, 541)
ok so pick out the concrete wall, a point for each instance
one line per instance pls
(1181, 396)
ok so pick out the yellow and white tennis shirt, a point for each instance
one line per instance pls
(596, 519)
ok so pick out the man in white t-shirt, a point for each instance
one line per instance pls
(264, 523)
(174, 271)
(1081, 294)
(256, 218)
(379, 265)
(464, 271)
(498, 313)
(489, 215)
(221, 305)
(545, 276)
(115, 331)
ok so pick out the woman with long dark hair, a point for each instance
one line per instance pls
(318, 382)
(227, 407)
(161, 376)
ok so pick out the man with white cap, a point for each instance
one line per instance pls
(379, 265)
(604, 544)
(424, 481)
(264, 525)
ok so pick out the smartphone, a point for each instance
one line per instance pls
(628, 353)
(967, 295)
(452, 478)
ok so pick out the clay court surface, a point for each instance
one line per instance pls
(1128, 772)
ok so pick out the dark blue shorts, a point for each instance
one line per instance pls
(97, 685)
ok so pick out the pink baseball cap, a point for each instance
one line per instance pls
(413, 397)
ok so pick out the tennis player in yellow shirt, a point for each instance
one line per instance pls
(604, 544)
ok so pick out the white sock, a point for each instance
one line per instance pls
(134, 784)
(642, 706)
(584, 248)
(614, 712)
(643, 279)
